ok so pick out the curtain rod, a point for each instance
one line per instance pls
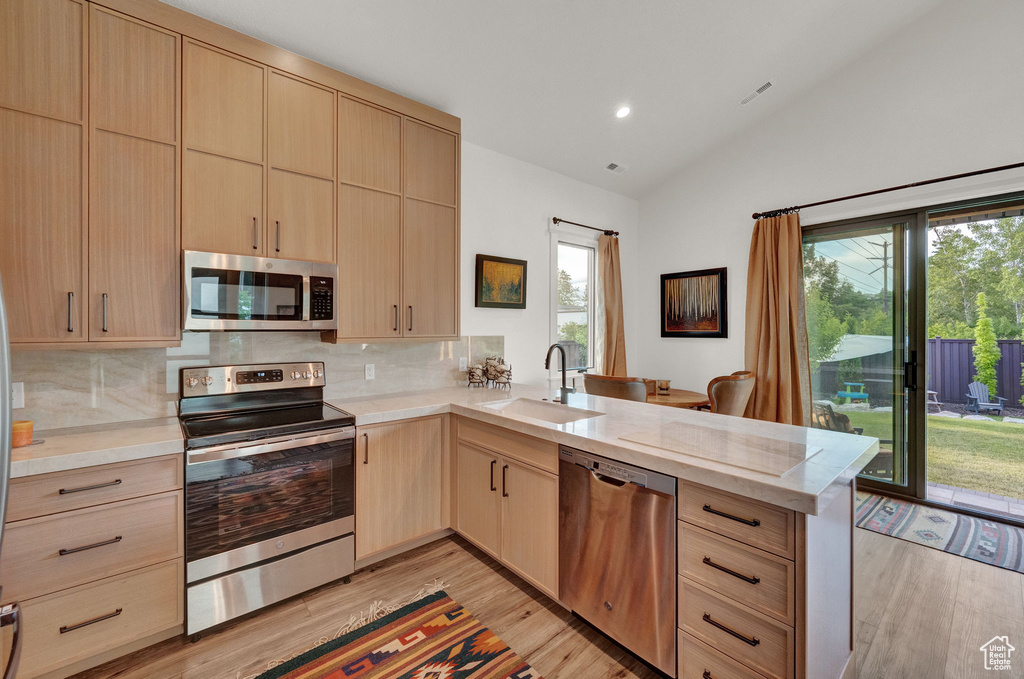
(607, 232)
(797, 208)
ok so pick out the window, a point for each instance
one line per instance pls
(574, 304)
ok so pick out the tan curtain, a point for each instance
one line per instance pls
(776, 348)
(614, 362)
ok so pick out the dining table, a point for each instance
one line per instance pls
(679, 398)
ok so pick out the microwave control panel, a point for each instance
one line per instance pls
(321, 298)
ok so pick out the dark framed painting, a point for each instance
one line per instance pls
(500, 282)
(693, 304)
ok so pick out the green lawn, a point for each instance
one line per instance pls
(985, 456)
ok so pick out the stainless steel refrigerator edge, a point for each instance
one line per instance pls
(617, 552)
(9, 614)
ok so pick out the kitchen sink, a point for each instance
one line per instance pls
(555, 413)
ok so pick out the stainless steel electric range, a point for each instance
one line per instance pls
(269, 487)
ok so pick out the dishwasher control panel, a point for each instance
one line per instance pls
(618, 471)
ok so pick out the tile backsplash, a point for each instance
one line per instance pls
(80, 387)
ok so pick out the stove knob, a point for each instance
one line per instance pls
(207, 381)
(296, 375)
(307, 374)
(191, 382)
(317, 374)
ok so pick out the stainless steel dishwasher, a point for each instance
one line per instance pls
(617, 552)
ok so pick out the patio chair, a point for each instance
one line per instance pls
(826, 418)
(978, 399)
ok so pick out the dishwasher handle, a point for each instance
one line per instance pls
(610, 480)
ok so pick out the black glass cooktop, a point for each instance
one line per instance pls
(202, 431)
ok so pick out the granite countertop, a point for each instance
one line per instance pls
(794, 467)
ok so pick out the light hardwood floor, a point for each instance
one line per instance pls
(921, 614)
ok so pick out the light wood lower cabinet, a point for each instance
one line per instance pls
(399, 470)
(479, 503)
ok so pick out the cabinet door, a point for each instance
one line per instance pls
(369, 146)
(223, 103)
(300, 217)
(369, 263)
(430, 270)
(398, 483)
(222, 204)
(42, 259)
(479, 499)
(430, 163)
(133, 239)
(529, 523)
(301, 126)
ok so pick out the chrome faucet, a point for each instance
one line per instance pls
(564, 391)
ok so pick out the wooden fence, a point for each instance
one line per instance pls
(951, 369)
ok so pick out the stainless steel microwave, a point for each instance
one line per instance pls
(236, 292)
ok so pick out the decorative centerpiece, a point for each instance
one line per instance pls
(493, 373)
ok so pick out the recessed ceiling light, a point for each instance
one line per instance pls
(622, 112)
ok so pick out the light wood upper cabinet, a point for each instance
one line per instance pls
(369, 146)
(301, 217)
(479, 497)
(431, 162)
(301, 126)
(133, 77)
(223, 103)
(398, 483)
(430, 270)
(369, 263)
(133, 254)
(222, 205)
(42, 69)
(529, 523)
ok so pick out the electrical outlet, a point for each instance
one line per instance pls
(17, 394)
(463, 364)
(368, 369)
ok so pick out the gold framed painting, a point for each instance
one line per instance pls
(500, 282)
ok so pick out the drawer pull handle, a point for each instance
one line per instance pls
(74, 550)
(749, 522)
(65, 491)
(752, 580)
(707, 674)
(752, 641)
(71, 628)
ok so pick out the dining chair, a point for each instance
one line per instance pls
(628, 388)
(729, 394)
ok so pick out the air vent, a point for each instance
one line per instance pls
(615, 167)
(760, 90)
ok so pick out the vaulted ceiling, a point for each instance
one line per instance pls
(540, 80)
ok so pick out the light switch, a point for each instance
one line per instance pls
(17, 394)
(368, 368)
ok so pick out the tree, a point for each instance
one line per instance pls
(953, 275)
(986, 349)
(825, 331)
(569, 294)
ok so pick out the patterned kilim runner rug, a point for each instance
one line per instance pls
(987, 541)
(430, 638)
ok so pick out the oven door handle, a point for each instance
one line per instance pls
(233, 450)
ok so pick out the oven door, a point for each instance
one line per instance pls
(247, 504)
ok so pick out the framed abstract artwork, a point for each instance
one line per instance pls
(693, 304)
(500, 282)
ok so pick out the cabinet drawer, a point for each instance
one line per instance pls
(51, 553)
(763, 581)
(766, 644)
(697, 660)
(521, 447)
(139, 604)
(758, 524)
(63, 491)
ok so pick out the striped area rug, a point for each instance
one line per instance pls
(990, 542)
(431, 638)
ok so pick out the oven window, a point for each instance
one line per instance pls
(245, 295)
(239, 502)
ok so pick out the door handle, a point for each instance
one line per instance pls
(493, 462)
(75, 550)
(750, 522)
(255, 234)
(753, 641)
(410, 318)
(504, 468)
(278, 248)
(910, 372)
(71, 312)
(64, 629)
(105, 298)
(396, 318)
(366, 448)
(753, 580)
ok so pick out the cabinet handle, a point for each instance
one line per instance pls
(753, 580)
(278, 248)
(65, 628)
(66, 491)
(73, 550)
(105, 299)
(396, 318)
(255, 234)
(493, 462)
(707, 674)
(753, 641)
(410, 318)
(749, 522)
(71, 312)
(504, 468)
(366, 448)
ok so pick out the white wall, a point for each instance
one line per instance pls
(944, 96)
(507, 206)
